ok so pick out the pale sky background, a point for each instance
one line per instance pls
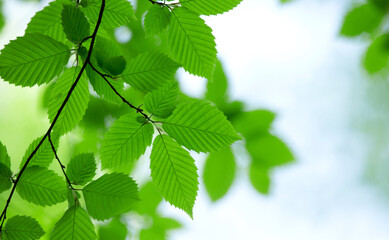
(289, 59)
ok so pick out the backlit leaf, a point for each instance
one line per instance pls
(22, 228)
(75, 24)
(163, 101)
(157, 18)
(44, 156)
(259, 178)
(81, 169)
(5, 178)
(113, 230)
(206, 7)
(4, 157)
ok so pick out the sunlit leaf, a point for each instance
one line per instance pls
(75, 24)
(115, 229)
(206, 7)
(43, 156)
(4, 157)
(217, 86)
(22, 228)
(163, 101)
(5, 178)
(156, 19)
(81, 169)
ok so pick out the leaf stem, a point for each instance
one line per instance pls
(3, 215)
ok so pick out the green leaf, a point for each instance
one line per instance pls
(125, 142)
(110, 195)
(116, 13)
(114, 65)
(157, 18)
(22, 228)
(149, 71)
(74, 224)
(259, 178)
(192, 43)
(268, 150)
(75, 25)
(44, 156)
(32, 59)
(219, 173)
(149, 199)
(81, 169)
(254, 123)
(4, 157)
(77, 104)
(174, 173)
(377, 55)
(48, 21)
(200, 126)
(206, 7)
(5, 178)
(113, 230)
(41, 186)
(364, 18)
(217, 87)
(382, 4)
(163, 101)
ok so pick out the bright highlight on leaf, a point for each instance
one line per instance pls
(32, 59)
(174, 173)
(74, 224)
(157, 18)
(110, 195)
(149, 71)
(192, 43)
(75, 24)
(77, 104)
(207, 7)
(81, 169)
(163, 101)
(22, 228)
(125, 142)
(200, 126)
(41, 186)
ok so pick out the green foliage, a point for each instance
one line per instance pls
(43, 157)
(32, 59)
(163, 101)
(4, 157)
(74, 224)
(200, 126)
(125, 142)
(204, 7)
(113, 230)
(219, 173)
(114, 65)
(41, 186)
(110, 195)
(81, 169)
(22, 228)
(259, 178)
(174, 173)
(76, 106)
(217, 86)
(377, 55)
(192, 43)
(75, 24)
(156, 19)
(5, 178)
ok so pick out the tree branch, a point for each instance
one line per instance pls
(87, 60)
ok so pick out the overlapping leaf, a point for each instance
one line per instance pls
(4, 157)
(32, 59)
(174, 173)
(206, 7)
(157, 18)
(219, 173)
(81, 169)
(125, 142)
(110, 195)
(41, 186)
(74, 224)
(75, 107)
(192, 43)
(162, 102)
(116, 13)
(22, 228)
(5, 178)
(200, 126)
(48, 21)
(43, 156)
(75, 25)
(149, 71)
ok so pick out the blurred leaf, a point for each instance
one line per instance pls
(149, 199)
(219, 173)
(114, 65)
(115, 229)
(22, 228)
(364, 18)
(2, 18)
(377, 55)
(254, 123)
(259, 178)
(163, 101)
(81, 169)
(74, 224)
(4, 157)
(41, 186)
(156, 19)
(158, 230)
(217, 86)
(382, 4)
(232, 109)
(75, 25)
(110, 195)
(268, 151)
(5, 178)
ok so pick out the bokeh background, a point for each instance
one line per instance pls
(291, 59)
